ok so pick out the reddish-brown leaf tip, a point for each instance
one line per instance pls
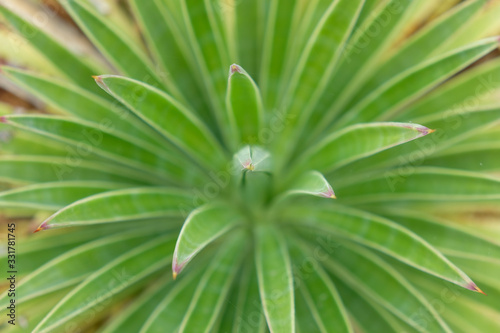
(235, 68)
(42, 226)
(472, 286)
(3, 119)
(329, 194)
(100, 82)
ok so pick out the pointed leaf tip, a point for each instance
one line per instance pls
(43, 226)
(235, 68)
(328, 194)
(472, 286)
(3, 119)
(100, 82)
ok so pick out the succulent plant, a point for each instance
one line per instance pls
(251, 165)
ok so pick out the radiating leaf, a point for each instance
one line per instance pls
(316, 65)
(424, 183)
(108, 282)
(40, 169)
(122, 205)
(168, 117)
(275, 278)
(97, 139)
(71, 65)
(244, 104)
(318, 291)
(365, 272)
(71, 99)
(52, 196)
(379, 234)
(359, 141)
(213, 287)
(131, 319)
(411, 84)
(118, 48)
(422, 45)
(62, 272)
(202, 227)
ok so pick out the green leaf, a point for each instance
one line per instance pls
(162, 35)
(380, 234)
(208, 300)
(65, 61)
(275, 277)
(132, 318)
(210, 53)
(358, 141)
(107, 283)
(316, 65)
(421, 46)
(244, 104)
(423, 183)
(202, 227)
(170, 118)
(52, 196)
(71, 99)
(62, 272)
(276, 41)
(311, 183)
(359, 58)
(169, 313)
(413, 83)
(122, 205)
(249, 315)
(452, 127)
(447, 236)
(365, 272)
(470, 89)
(318, 291)
(118, 48)
(41, 169)
(97, 139)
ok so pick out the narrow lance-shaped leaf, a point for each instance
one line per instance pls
(244, 105)
(122, 274)
(319, 293)
(120, 51)
(62, 272)
(316, 66)
(67, 62)
(413, 83)
(424, 184)
(122, 205)
(40, 169)
(207, 303)
(275, 277)
(167, 116)
(169, 313)
(422, 45)
(365, 271)
(202, 227)
(96, 139)
(312, 183)
(71, 99)
(52, 196)
(161, 35)
(359, 141)
(380, 234)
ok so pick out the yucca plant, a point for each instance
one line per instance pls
(189, 185)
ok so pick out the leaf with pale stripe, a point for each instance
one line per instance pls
(380, 234)
(275, 278)
(202, 227)
(122, 205)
